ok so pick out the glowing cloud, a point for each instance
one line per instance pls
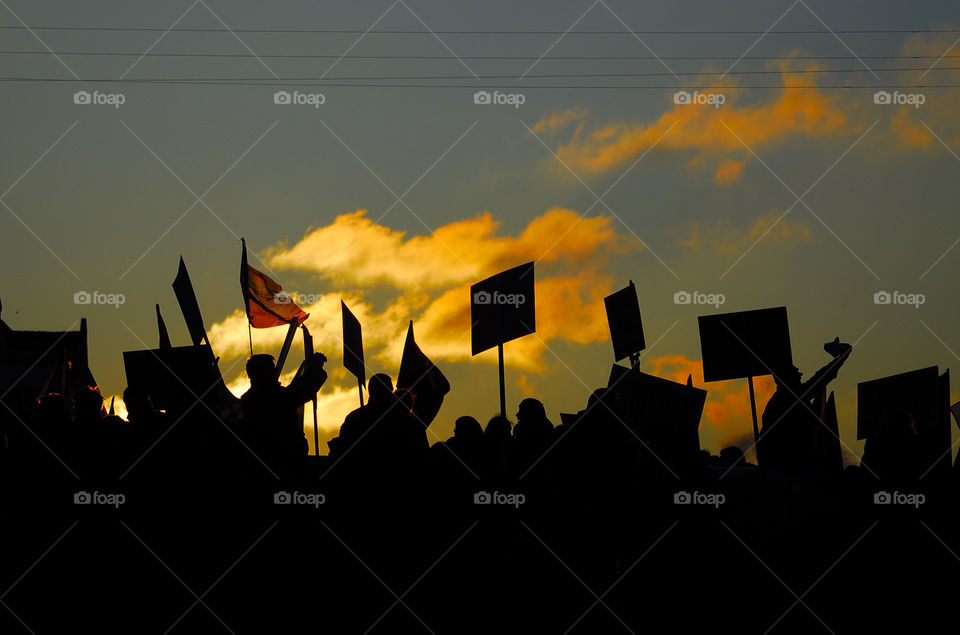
(712, 133)
(727, 239)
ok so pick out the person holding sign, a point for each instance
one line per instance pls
(790, 420)
(270, 409)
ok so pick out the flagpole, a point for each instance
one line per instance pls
(503, 391)
(753, 411)
(250, 336)
(286, 345)
(307, 354)
(360, 390)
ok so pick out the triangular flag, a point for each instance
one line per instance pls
(423, 379)
(162, 329)
(417, 372)
(264, 300)
(187, 299)
(353, 344)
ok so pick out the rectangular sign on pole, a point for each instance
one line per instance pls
(915, 392)
(502, 308)
(744, 344)
(663, 410)
(180, 374)
(353, 345)
(626, 327)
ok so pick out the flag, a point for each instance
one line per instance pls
(626, 326)
(188, 304)
(264, 300)
(417, 372)
(162, 329)
(353, 344)
(502, 308)
(423, 379)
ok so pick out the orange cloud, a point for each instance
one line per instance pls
(557, 120)
(799, 109)
(726, 412)
(940, 105)
(727, 239)
(422, 278)
(355, 250)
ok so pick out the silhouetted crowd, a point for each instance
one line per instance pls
(557, 516)
(384, 446)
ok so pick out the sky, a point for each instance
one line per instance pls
(740, 152)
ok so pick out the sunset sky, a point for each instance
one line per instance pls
(399, 191)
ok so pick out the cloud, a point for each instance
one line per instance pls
(940, 106)
(387, 277)
(356, 250)
(557, 120)
(711, 133)
(727, 239)
(726, 413)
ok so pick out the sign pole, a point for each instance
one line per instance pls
(286, 345)
(503, 391)
(753, 411)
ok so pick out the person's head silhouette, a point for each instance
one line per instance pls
(467, 429)
(531, 410)
(380, 389)
(788, 377)
(498, 428)
(88, 403)
(262, 370)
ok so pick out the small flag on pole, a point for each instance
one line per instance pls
(162, 329)
(417, 373)
(422, 379)
(187, 299)
(353, 345)
(264, 300)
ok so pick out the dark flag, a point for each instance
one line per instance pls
(745, 344)
(188, 305)
(162, 329)
(353, 345)
(264, 300)
(502, 308)
(422, 378)
(626, 327)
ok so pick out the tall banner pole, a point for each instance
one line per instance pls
(753, 411)
(503, 391)
(307, 353)
(286, 345)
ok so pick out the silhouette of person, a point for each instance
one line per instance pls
(362, 424)
(409, 433)
(270, 409)
(498, 450)
(789, 419)
(892, 452)
(467, 439)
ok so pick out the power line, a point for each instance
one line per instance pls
(489, 57)
(386, 78)
(483, 32)
(300, 83)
